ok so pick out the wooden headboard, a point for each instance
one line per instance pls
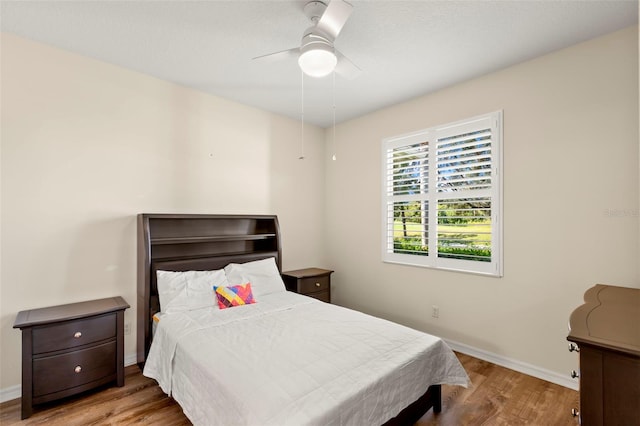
(183, 242)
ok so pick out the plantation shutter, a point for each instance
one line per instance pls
(464, 170)
(407, 184)
(442, 196)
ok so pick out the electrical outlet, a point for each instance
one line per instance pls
(435, 311)
(127, 328)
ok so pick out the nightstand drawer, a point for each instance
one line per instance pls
(313, 284)
(60, 372)
(73, 333)
(323, 296)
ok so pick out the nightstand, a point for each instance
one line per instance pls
(68, 349)
(313, 282)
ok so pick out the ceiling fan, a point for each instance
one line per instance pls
(316, 55)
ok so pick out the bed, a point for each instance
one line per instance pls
(285, 359)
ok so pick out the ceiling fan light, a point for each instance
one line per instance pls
(318, 60)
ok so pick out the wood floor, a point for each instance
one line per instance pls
(498, 396)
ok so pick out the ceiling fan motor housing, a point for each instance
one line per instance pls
(313, 36)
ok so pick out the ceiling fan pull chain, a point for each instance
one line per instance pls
(302, 116)
(334, 116)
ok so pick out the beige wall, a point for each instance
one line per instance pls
(571, 198)
(86, 146)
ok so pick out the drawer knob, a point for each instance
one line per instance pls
(317, 284)
(575, 412)
(573, 348)
(77, 369)
(77, 335)
(574, 374)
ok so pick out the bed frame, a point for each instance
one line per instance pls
(183, 242)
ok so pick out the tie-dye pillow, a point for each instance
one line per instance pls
(234, 295)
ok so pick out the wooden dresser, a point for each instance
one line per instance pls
(313, 282)
(72, 348)
(606, 333)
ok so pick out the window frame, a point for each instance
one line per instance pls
(494, 267)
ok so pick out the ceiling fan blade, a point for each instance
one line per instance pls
(279, 56)
(334, 17)
(346, 68)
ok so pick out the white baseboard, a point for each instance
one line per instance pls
(13, 392)
(130, 359)
(513, 364)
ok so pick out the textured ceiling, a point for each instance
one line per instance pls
(405, 48)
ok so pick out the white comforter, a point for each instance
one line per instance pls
(292, 360)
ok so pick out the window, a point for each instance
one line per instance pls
(441, 201)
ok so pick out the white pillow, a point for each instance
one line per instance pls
(262, 274)
(188, 290)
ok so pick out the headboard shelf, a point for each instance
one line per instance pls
(163, 260)
(181, 242)
(210, 238)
